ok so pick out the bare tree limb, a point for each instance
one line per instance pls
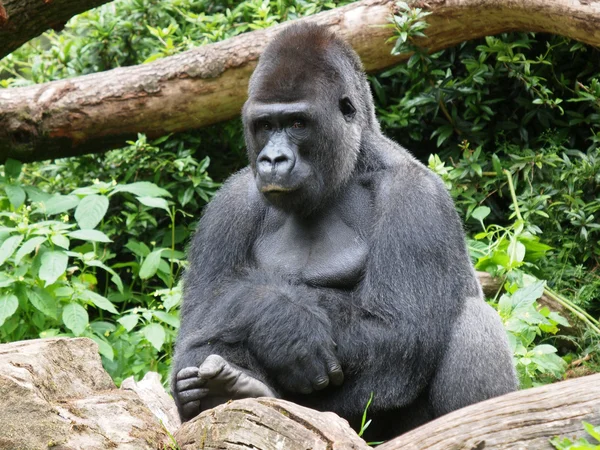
(207, 85)
(22, 20)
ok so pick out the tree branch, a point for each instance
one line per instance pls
(208, 84)
(22, 20)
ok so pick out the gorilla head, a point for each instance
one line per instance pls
(305, 117)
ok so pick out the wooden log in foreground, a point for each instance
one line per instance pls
(208, 84)
(521, 420)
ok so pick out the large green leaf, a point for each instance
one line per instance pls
(142, 189)
(91, 211)
(16, 195)
(9, 246)
(129, 321)
(75, 318)
(28, 247)
(58, 204)
(42, 301)
(89, 235)
(154, 202)
(8, 305)
(99, 301)
(150, 264)
(155, 334)
(54, 264)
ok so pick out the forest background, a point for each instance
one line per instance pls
(95, 245)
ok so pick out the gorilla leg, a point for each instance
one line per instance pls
(214, 382)
(477, 364)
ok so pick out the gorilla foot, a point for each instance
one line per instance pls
(213, 383)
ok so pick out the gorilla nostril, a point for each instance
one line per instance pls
(280, 159)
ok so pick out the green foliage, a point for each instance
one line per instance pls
(580, 444)
(101, 260)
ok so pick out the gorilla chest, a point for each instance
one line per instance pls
(328, 252)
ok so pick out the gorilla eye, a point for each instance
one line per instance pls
(347, 108)
(298, 124)
(264, 125)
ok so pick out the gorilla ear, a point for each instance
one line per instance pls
(347, 109)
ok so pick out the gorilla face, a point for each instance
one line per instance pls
(293, 151)
(304, 119)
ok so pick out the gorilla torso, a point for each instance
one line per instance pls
(327, 249)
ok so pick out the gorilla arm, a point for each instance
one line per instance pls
(417, 277)
(233, 311)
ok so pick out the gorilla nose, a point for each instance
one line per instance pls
(273, 163)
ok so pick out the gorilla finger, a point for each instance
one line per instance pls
(192, 395)
(191, 409)
(190, 383)
(335, 373)
(211, 367)
(187, 372)
(320, 383)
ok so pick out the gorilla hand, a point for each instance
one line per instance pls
(303, 361)
(213, 383)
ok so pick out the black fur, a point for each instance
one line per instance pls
(335, 251)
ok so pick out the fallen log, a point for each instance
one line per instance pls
(208, 84)
(520, 420)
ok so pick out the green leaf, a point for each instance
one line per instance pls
(61, 240)
(12, 168)
(54, 264)
(528, 295)
(8, 306)
(99, 301)
(138, 248)
(91, 210)
(544, 349)
(75, 318)
(129, 322)
(28, 247)
(497, 165)
(167, 318)
(592, 431)
(150, 264)
(43, 301)
(58, 204)
(155, 334)
(9, 246)
(16, 195)
(90, 235)
(481, 213)
(154, 202)
(516, 250)
(104, 348)
(142, 189)
(115, 276)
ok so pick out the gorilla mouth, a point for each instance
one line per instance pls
(276, 189)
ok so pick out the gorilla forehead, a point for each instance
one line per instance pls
(304, 61)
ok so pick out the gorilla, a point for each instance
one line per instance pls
(335, 265)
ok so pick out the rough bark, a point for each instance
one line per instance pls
(54, 393)
(267, 423)
(521, 420)
(22, 20)
(208, 84)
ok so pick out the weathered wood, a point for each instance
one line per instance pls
(207, 85)
(267, 424)
(21, 20)
(521, 420)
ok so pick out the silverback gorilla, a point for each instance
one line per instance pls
(335, 265)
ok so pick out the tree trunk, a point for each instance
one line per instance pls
(520, 420)
(22, 20)
(208, 84)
